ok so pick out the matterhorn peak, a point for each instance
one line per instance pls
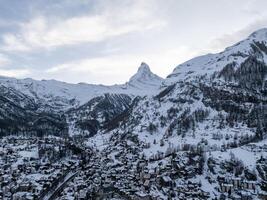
(144, 78)
(144, 68)
(144, 74)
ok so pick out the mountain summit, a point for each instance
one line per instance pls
(207, 122)
(145, 78)
(144, 68)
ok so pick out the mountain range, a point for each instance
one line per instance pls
(48, 99)
(233, 70)
(214, 103)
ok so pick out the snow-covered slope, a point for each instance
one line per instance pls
(254, 45)
(213, 103)
(98, 113)
(205, 92)
(66, 95)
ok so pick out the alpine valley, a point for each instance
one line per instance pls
(200, 133)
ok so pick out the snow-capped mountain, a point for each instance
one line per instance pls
(225, 88)
(144, 78)
(56, 105)
(216, 103)
(198, 134)
(65, 95)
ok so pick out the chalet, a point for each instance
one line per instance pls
(166, 181)
(147, 176)
(82, 195)
(141, 196)
(237, 182)
(227, 188)
(246, 195)
(146, 184)
(249, 185)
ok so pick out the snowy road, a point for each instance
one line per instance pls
(54, 192)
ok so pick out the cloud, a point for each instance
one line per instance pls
(254, 7)
(127, 62)
(105, 41)
(218, 44)
(4, 60)
(105, 70)
(19, 73)
(4, 23)
(100, 65)
(6, 71)
(42, 32)
(119, 68)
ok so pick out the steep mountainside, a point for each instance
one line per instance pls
(58, 108)
(227, 89)
(253, 46)
(213, 103)
(20, 114)
(97, 113)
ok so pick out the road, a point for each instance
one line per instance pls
(55, 192)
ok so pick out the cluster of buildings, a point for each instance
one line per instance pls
(234, 180)
(32, 168)
(238, 187)
(122, 172)
(56, 168)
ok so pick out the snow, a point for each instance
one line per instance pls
(99, 141)
(210, 63)
(206, 186)
(144, 82)
(206, 132)
(66, 179)
(29, 154)
(248, 157)
(144, 77)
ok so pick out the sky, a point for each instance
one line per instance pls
(104, 41)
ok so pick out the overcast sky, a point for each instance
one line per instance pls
(104, 41)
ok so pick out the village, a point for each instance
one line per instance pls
(33, 168)
(120, 174)
(55, 168)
